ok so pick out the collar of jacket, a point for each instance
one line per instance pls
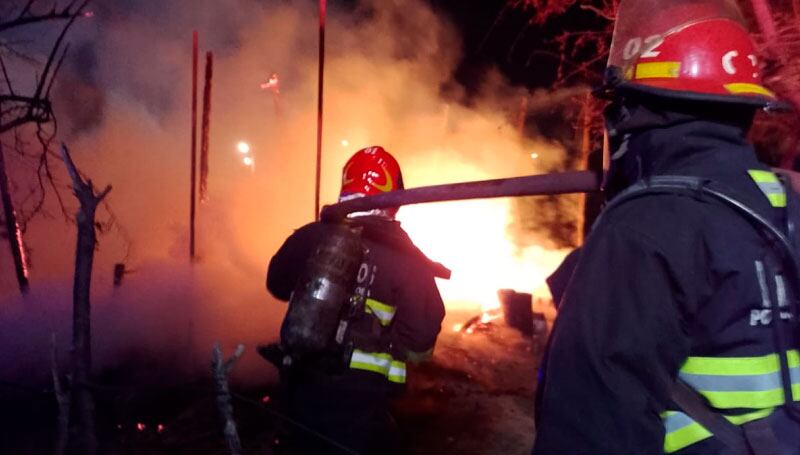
(661, 142)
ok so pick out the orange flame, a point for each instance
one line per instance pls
(471, 238)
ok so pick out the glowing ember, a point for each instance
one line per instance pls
(471, 239)
(243, 147)
(24, 257)
(490, 316)
(266, 399)
(160, 428)
(140, 426)
(272, 83)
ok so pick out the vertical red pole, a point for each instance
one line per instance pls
(194, 146)
(205, 130)
(322, 14)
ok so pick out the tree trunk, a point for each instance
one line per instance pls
(81, 310)
(82, 330)
(12, 227)
(221, 368)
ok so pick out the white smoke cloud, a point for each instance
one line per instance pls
(386, 64)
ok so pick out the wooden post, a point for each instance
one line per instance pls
(590, 201)
(322, 15)
(81, 305)
(206, 128)
(192, 185)
(12, 227)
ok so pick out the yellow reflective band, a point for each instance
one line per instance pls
(735, 366)
(742, 88)
(658, 70)
(777, 200)
(382, 311)
(760, 176)
(381, 363)
(794, 358)
(752, 400)
(694, 432)
(770, 185)
(685, 437)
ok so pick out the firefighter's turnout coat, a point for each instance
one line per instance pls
(675, 286)
(400, 321)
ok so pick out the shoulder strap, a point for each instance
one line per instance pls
(695, 407)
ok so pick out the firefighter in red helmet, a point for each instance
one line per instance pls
(344, 370)
(678, 329)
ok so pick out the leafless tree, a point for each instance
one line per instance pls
(21, 108)
(89, 199)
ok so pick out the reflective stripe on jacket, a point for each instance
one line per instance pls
(381, 363)
(730, 383)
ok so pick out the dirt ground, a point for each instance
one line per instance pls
(474, 397)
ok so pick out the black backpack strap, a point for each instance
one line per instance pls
(695, 407)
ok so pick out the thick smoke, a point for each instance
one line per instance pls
(124, 109)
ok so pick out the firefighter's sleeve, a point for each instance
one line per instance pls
(286, 267)
(419, 318)
(616, 346)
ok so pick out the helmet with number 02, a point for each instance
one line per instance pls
(687, 49)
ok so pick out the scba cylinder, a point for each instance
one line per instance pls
(319, 300)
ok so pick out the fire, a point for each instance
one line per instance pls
(471, 238)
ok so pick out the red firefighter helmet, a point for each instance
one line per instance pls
(370, 171)
(690, 49)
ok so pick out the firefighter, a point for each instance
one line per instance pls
(678, 329)
(346, 399)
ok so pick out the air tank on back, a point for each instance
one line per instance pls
(317, 303)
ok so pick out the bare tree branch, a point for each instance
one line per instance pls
(27, 17)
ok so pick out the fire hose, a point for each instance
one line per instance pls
(532, 185)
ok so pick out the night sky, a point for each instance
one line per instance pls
(495, 34)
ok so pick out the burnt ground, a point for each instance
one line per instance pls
(474, 397)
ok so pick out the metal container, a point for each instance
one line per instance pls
(318, 302)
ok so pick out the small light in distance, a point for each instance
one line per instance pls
(248, 161)
(534, 156)
(140, 426)
(345, 142)
(243, 147)
(160, 428)
(457, 327)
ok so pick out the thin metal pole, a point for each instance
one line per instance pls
(193, 172)
(205, 131)
(322, 14)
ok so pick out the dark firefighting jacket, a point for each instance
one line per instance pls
(403, 310)
(671, 286)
